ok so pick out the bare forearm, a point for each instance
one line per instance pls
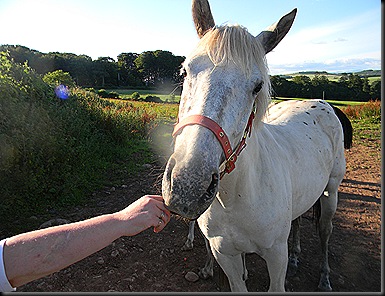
(49, 250)
(35, 254)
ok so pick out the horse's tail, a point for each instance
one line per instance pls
(346, 127)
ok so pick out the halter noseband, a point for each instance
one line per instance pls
(230, 154)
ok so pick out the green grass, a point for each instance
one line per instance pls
(162, 112)
(372, 79)
(366, 121)
(366, 132)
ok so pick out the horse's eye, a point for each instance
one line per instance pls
(258, 88)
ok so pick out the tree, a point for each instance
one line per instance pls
(304, 86)
(127, 70)
(106, 71)
(158, 67)
(58, 77)
(320, 85)
(375, 90)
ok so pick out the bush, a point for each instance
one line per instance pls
(153, 99)
(54, 152)
(58, 77)
(135, 96)
(108, 94)
(370, 110)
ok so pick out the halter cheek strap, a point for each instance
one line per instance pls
(230, 154)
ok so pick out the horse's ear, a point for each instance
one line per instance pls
(275, 33)
(203, 19)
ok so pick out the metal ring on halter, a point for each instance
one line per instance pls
(161, 215)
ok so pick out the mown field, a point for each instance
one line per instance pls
(165, 96)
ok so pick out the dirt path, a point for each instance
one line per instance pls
(152, 262)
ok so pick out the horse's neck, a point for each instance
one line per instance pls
(257, 147)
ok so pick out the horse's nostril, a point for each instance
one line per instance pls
(213, 185)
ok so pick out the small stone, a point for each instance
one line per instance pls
(100, 261)
(40, 285)
(123, 251)
(191, 276)
(114, 253)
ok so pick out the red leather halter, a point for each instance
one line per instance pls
(230, 154)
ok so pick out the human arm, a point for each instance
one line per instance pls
(32, 255)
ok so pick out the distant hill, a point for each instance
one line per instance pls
(334, 76)
(367, 73)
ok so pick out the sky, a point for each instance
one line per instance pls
(327, 35)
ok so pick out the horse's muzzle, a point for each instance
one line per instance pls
(188, 195)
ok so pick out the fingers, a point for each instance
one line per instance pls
(164, 211)
(159, 215)
(163, 215)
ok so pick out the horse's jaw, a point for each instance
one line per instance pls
(189, 186)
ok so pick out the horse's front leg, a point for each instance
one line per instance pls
(188, 245)
(233, 267)
(208, 270)
(295, 249)
(276, 259)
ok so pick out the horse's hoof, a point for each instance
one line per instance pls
(324, 286)
(292, 267)
(291, 271)
(205, 274)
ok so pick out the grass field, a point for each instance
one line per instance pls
(125, 94)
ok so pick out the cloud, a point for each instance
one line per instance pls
(351, 44)
(340, 39)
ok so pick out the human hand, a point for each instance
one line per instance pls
(147, 211)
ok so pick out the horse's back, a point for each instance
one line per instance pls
(298, 111)
(311, 118)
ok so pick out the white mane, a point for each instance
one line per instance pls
(233, 43)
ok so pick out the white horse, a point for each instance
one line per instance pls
(294, 155)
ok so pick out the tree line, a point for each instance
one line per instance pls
(161, 69)
(349, 87)
(131, 70)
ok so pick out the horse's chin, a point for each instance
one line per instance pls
(193, 209)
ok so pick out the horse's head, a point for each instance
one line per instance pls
(225, 76)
